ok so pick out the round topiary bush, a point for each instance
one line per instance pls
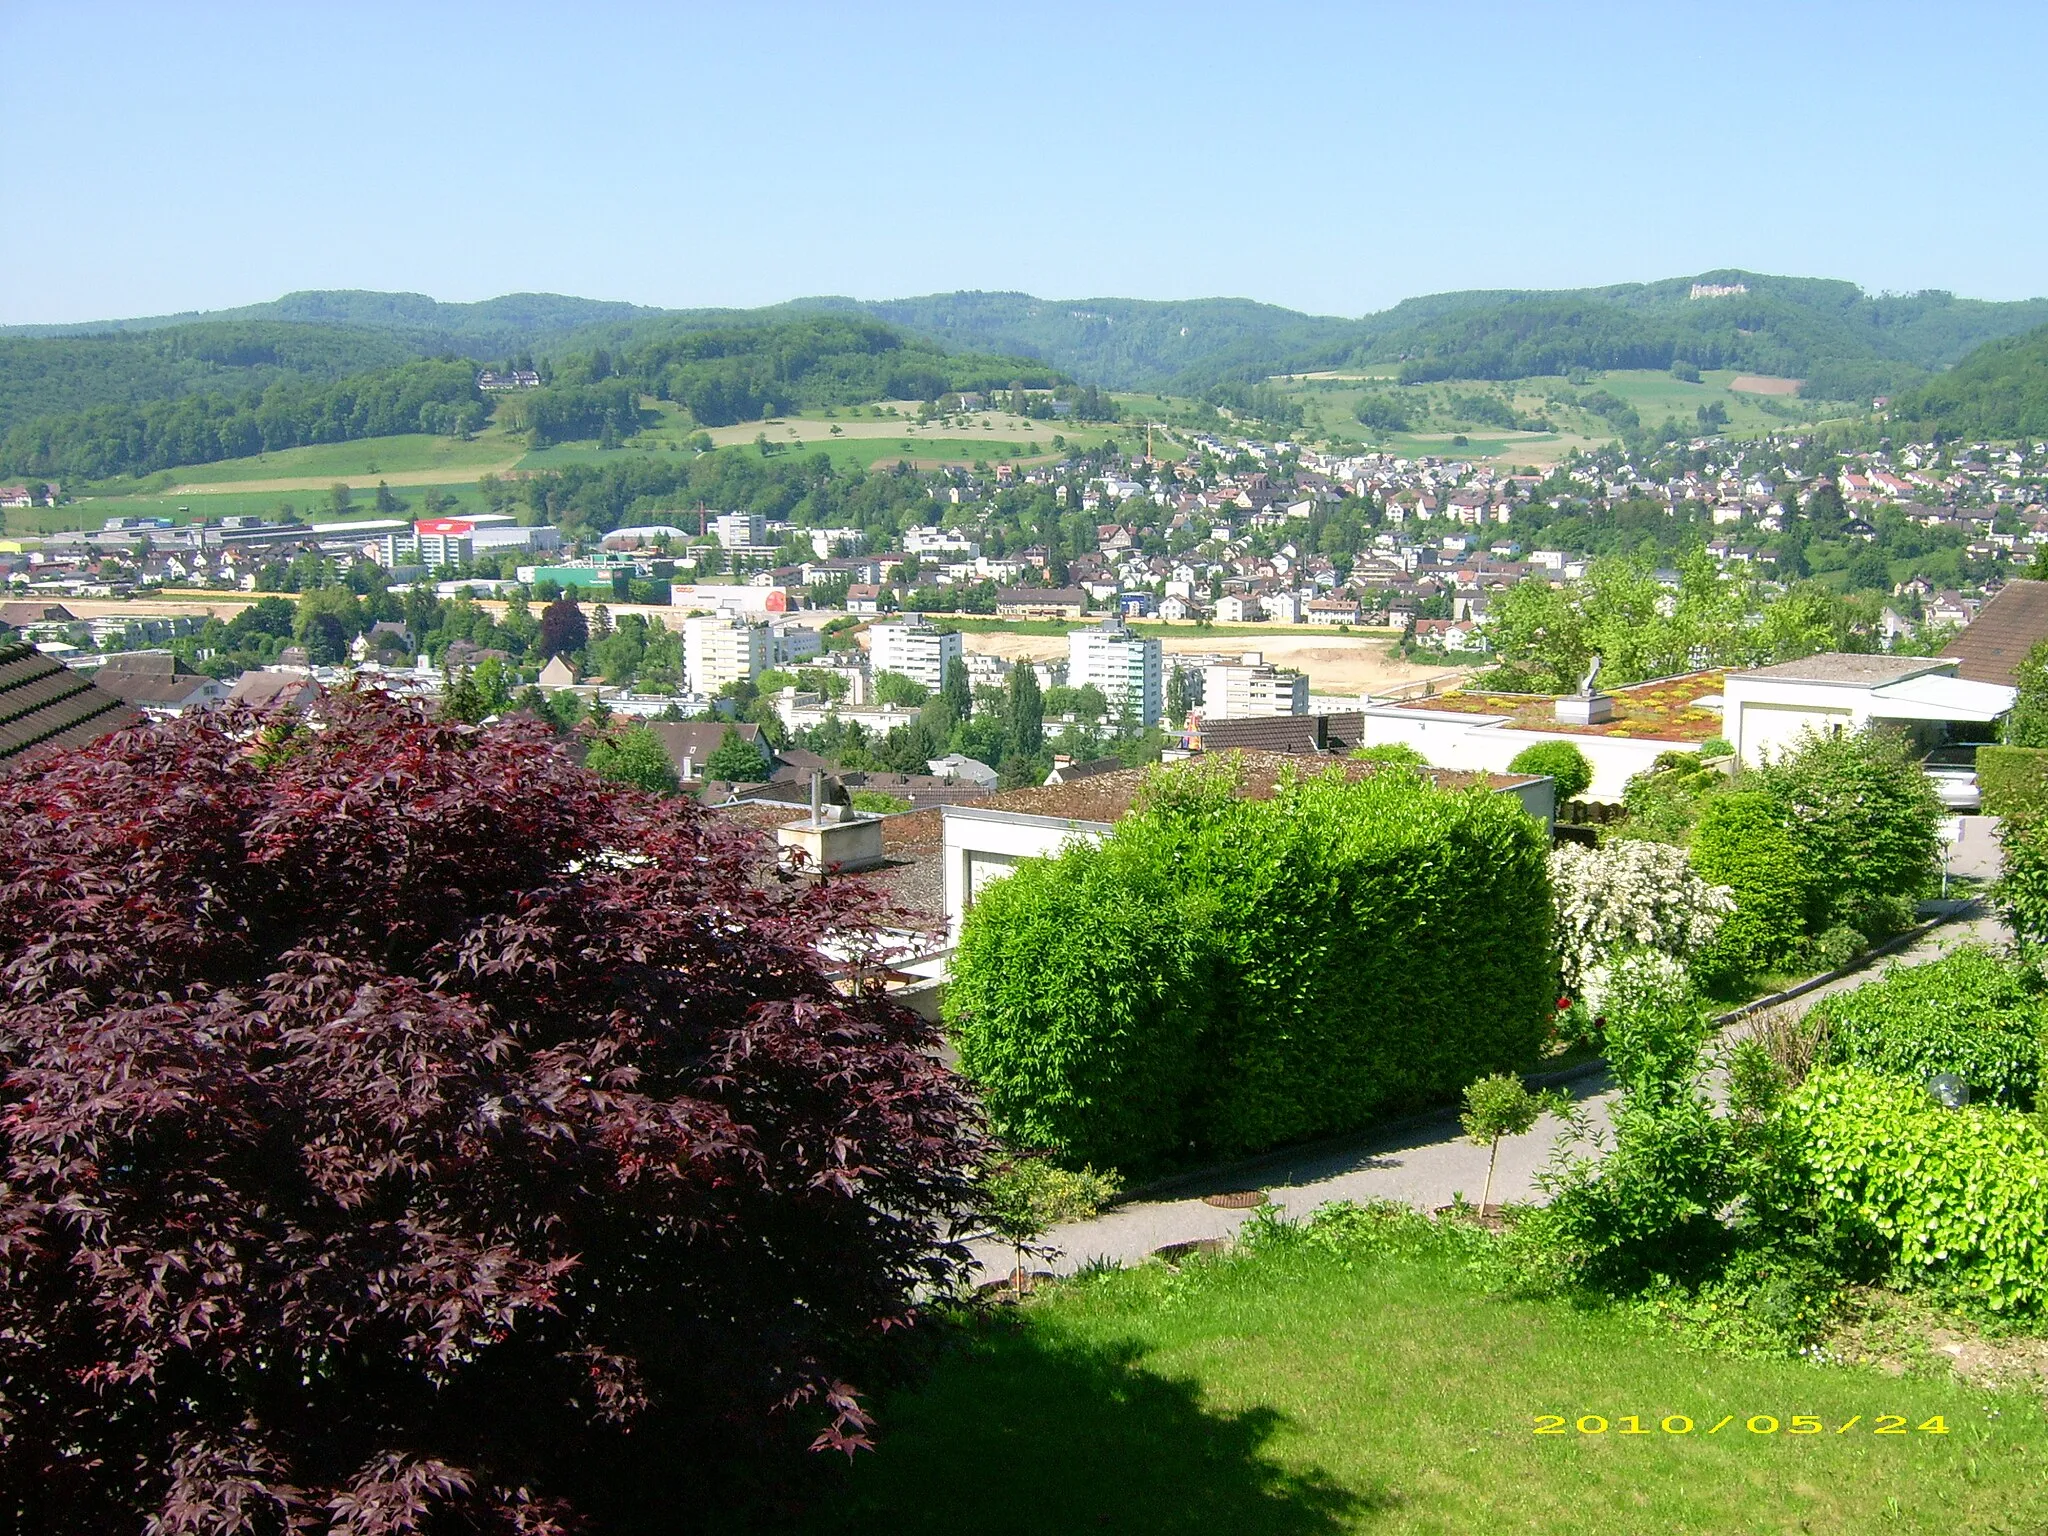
(1561, 761)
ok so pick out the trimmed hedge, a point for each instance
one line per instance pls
(1971, 1012)
(1741, 841)
(1075, 1002)
(1960, 1196)
(2013, 781)
(1338, 950)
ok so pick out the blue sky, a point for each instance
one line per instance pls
(158, 158)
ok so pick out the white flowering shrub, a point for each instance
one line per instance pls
(1626, 897)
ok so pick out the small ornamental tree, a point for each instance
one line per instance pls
(1501, 1105)
(402, 1131)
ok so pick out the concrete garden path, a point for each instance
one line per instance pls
(1423, 1161)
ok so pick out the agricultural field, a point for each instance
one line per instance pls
(184, 506)
(1299, 1390)
(1437, 414)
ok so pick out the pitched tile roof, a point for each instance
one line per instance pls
(1992, 645)
(45, 707)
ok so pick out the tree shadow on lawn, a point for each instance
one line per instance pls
(1035, 1435)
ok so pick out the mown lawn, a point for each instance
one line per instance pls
(1302, 1391)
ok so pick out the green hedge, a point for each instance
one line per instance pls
(2013, 781)
(1741, 841)
(1075, 1001)
(1961, 1196)
(1227, 974)
(1971, 1013)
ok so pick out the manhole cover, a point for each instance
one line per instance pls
(1236, 1199)
(1173, 1253)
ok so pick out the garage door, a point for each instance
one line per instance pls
(1768, 729)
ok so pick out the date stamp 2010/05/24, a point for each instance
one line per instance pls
(1754, 1424)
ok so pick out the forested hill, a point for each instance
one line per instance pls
(1120, 343)
(513, 322)
(2000, 390)
(41, 376)
(1846, 343)
(720, 373)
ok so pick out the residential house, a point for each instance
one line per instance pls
(158, 684)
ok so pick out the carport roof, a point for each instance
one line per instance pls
(1941, 698)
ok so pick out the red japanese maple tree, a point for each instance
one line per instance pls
(403, 1130)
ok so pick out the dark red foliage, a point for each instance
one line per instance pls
(563, 629)
(403, 1130)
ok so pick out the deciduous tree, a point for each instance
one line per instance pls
(402, 1131)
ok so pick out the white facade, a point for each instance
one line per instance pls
(1250, 689)
(739, 530)
(1487, 743)
(921, 652)
(1125, 666)
(717, 651)
(1769, 709)
(939, 541)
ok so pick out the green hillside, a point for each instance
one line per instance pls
(2000, 390)
(719, 375)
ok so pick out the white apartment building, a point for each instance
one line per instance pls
(718, 650)
(436, 542)
(921, 652)
(1249, 689)
(1125, 666)
(939, 541)
(739, 530)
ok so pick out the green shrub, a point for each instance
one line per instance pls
(1650, 1207)
(1665, 800)
(1562, 761)
(1742, 842)
(1833, 950)
(1971, 1012)
(2027, 723)
(2013, 781)
(1227, 974)
(1391, 752)
(2023, 876)
(1865, 820)
(1959, 1196)
(1716, 746)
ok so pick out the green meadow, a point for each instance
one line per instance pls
(1302, 1390)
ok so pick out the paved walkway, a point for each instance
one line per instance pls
(1422, 1162)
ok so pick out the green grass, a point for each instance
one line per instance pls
(311, 506)
(1303, 1391)
(360, 463)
